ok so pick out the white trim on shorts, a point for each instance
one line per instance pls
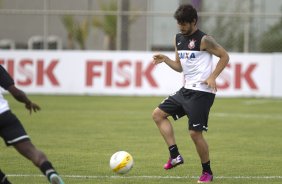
(18, 139)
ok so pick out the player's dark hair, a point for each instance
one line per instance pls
(186, 13)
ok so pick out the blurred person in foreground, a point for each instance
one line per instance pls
(14, 134)
(193, 57)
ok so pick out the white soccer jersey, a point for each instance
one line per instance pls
(5, 81)
(4, 106)
(197, 65)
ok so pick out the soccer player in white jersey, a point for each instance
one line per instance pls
(193, 57)
(14, 134)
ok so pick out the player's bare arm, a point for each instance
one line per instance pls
(175, 65)
(210, 45)
(20, 96)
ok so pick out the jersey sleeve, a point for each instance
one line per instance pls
(5, 79)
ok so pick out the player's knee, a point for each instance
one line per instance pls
(195, 135)
(156, 115)
(28, 150)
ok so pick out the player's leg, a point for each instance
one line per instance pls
(3, 178)
(39, 159)
(164, 125)
(201, 147)
(28, 150)
(166, 130)
(200, 104)
(14, 134)
(160, 115)
(203, 152)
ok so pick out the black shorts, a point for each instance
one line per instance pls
(11, 129)
(194, 104)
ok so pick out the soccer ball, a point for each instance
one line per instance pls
(121, 162)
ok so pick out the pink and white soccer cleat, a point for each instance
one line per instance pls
(171, 163)
(205, 178)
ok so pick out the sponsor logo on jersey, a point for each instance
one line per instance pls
(187, 55)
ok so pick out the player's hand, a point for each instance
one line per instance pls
(159, 58)
(211, 83)
(32, 107)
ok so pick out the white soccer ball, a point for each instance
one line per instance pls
(121, 162)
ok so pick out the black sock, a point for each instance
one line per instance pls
(173, 150)
(47, 169)
(3, 178)
(206, 167)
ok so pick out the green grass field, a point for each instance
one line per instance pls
(80, 133)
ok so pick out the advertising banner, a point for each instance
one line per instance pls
(127, 73)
